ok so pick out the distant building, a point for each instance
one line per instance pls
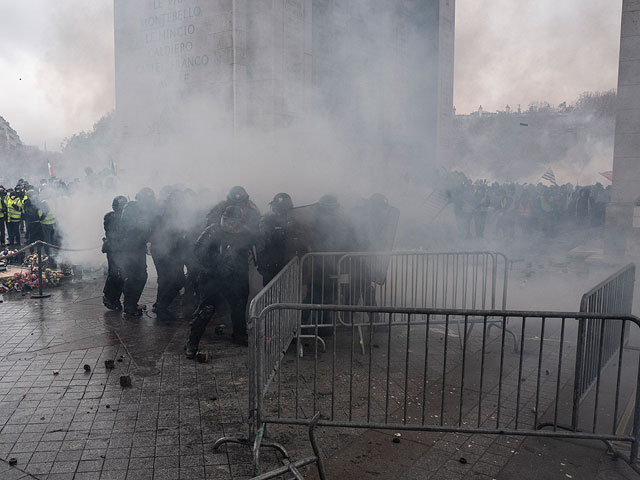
(9, 139)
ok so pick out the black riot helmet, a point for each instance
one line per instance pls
(328, 203)
(231, 219)
(377, 201)
(118, 203)
(281, 203)
(237, 195)
(146, 197)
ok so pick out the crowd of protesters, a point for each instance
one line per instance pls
(520, 209)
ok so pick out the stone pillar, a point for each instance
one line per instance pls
(622, 233)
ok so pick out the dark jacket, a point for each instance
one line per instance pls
(224, 255)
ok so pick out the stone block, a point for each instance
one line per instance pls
(630, 5)
(628, 97)
(630, 23)
(630, 48)
(627, 145)
(628, 121)
(629, 72)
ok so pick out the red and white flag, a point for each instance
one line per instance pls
(608, 175)
(51, 174)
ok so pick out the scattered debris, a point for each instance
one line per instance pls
(109, 364)
(462, 460)
(56, 372)
(125, 381)
(13, 461)
(202, 357)
(87, 367)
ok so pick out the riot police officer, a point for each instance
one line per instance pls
(112, 246)
(274, 232)
(237, 197)
(168, 244)
(137, 219)
(223, 252)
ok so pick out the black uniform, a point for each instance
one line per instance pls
(272, 251)
(237, 197)
(168, 248)
(224, 260)
(330, 232)
(112, 246)
(135, 226)
(275, 242)
(32, 219)
(3, 214)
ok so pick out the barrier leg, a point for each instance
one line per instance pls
(40, 293)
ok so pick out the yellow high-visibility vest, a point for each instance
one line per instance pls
(50, 219)
(14, 209)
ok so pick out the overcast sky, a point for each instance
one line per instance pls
(56, 58)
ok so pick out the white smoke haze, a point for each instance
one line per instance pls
(370, 139)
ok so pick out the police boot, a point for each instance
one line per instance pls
(198, 326)
(136, 311)
(191, 347)
(110, 304)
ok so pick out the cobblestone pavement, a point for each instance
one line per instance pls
(59, 421)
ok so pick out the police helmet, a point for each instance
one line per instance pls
(145, 196)
(281, 202)
(378, 201)
(237, 195)
(328, 202)
(118, 203)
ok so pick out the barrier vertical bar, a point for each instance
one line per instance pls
(633, 457)
(40, 293)
(577, 375)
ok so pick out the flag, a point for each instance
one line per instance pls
(608, 175)
(549, 176)
(114, 166)
(51, 174)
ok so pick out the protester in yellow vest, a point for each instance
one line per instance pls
(14, 216)
(48, 222)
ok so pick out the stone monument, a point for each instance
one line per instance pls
(266, 64)
(622, 232)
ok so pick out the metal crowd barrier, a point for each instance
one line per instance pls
(462, 280)
(415, 378)
(599, 341)
(278, 330)
(407, 278)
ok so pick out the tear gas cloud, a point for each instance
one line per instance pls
(363, 131)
